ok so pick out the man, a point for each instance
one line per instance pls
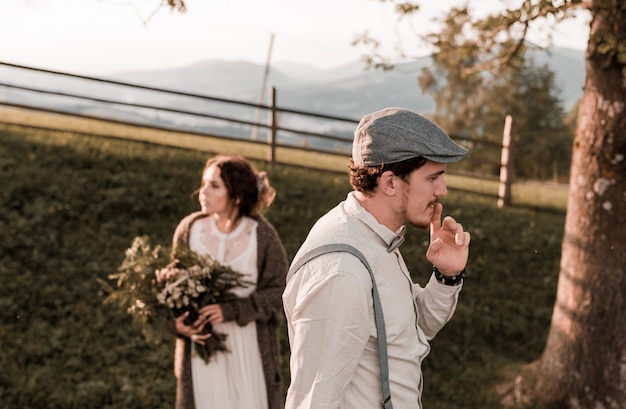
(398, 161)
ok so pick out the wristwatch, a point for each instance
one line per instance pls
(448, 280)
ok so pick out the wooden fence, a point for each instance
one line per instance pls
(280, 132)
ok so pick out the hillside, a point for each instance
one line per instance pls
(68, 220)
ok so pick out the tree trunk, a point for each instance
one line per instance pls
(583, 363)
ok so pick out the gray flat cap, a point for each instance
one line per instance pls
(396, 134)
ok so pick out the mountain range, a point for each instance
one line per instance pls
(349, 91)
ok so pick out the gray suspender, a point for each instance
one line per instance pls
(378, 310)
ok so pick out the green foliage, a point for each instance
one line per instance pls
(72, 204)
(474, 103)
(153, 286)
(611, 45)
(480, 75)
(543, 144)
(134, 288)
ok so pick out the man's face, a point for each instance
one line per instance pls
(421, 191)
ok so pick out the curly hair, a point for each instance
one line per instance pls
(365, 178)
(248, 187)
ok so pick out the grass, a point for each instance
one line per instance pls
(90, 126)
(523, 194)
(73, 203)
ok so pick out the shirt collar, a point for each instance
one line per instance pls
(392, 239)
(397, 240)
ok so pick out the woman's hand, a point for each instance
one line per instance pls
(193, 332)
(211, 313)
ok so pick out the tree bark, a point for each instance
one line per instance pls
(583, 363)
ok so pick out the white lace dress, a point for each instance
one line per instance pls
(231, 380)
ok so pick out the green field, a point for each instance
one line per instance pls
(73, 203)
(550, 196)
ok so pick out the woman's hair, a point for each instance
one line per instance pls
(365, 178)
(249, 188)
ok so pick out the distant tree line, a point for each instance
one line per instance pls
(477, 105)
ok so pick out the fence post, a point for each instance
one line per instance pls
(271, 135)
(506, 164)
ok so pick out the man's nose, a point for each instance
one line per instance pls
(441, 188)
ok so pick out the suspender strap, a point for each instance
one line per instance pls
(381, 333)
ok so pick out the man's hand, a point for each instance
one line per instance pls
(449, 244)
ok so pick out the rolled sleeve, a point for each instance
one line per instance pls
(436, 303)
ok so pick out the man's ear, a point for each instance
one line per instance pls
(388, 183)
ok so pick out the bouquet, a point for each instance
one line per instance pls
(153, 286)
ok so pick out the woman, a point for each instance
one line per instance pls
(232, 230)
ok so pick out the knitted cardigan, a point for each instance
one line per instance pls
(263, 306)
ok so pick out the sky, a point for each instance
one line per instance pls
(95, 37)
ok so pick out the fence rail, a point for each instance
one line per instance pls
(295, 138)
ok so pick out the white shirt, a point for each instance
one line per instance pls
(329, 309)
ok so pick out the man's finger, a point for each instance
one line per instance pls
(451, 225)
(435, 221)
(466, 239)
